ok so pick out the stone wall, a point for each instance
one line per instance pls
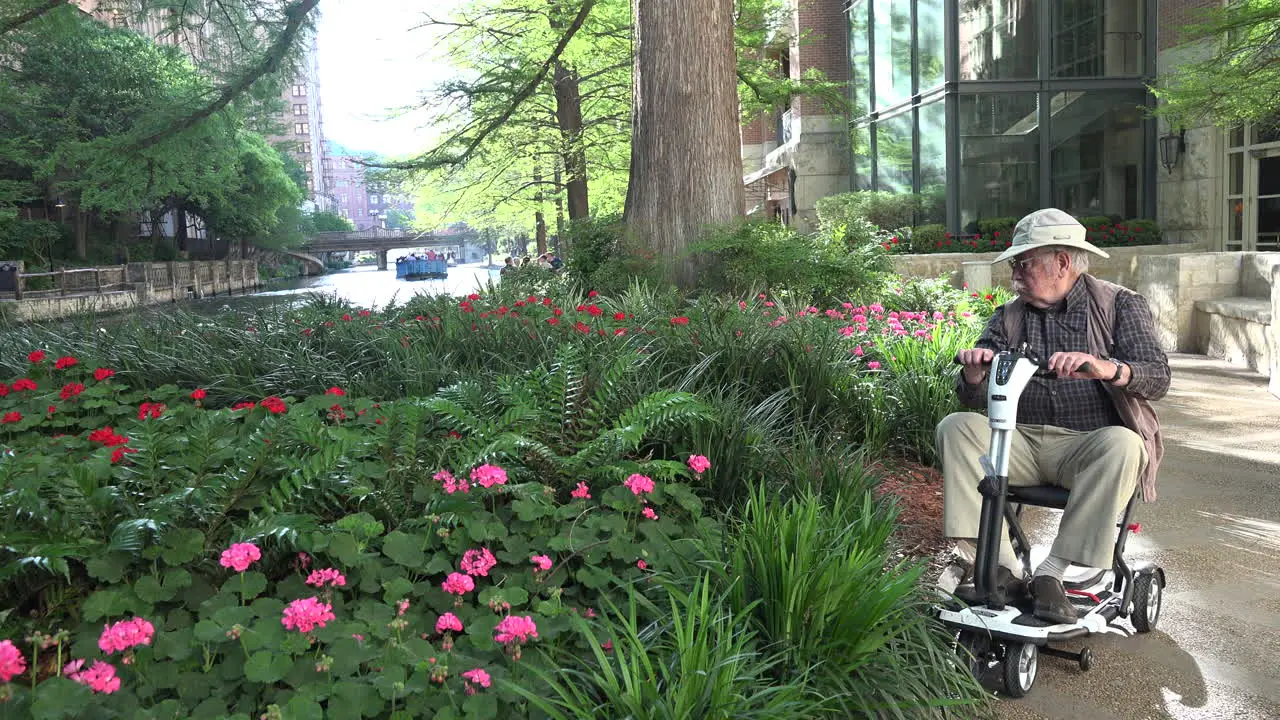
(1120, 268)
(1173, 284)
(1275, 330)
(1189, 200)
(147, 283)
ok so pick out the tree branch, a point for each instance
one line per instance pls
(270, 63)
(516, 101)
(28, 16)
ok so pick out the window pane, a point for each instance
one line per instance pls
(933, 162)
(1235, 174)
(859, 57)
(998, 40)
(929, 20)
(1098, 152)
(892, 52)
(861, 145)
(893, 154)
(1097, 38)
(1235, 224)
(999, 157)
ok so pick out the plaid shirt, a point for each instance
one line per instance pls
(1078, 404)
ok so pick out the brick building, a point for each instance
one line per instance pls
(992, 108)
(365, 204)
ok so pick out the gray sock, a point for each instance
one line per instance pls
(1054, 567)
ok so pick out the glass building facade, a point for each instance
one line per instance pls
(994, 108)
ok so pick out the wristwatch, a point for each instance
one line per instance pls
(1119, 371)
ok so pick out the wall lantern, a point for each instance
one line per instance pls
(59, 203)
(1171, 148)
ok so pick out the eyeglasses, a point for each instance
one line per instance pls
(1025, 264)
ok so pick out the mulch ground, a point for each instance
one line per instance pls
(917, 490)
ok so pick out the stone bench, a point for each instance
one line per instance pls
(1237, 330)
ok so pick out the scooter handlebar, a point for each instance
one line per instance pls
(1042, 372)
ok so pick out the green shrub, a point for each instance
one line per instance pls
(815, 267)
(704, 661)
(602, 256)
(816, 575)
(928, 238)
(882, 209)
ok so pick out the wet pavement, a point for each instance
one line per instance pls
(1215, 529)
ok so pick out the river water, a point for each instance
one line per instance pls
(367, 286)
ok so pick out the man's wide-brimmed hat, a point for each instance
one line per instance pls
(1047, 228)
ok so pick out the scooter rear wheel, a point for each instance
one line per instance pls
(1147, 597)
(1021, 663)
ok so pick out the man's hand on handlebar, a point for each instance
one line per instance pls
(976, 362)
(1080, 366)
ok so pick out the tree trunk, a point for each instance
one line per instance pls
(82, 234)
(559, 182)
(539, 220)
(180, 229)
(686, 163)
(569, 120)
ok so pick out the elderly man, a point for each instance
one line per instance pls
(1090, 429)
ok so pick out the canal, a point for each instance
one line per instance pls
(369, 287)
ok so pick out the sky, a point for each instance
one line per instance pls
(371, 62)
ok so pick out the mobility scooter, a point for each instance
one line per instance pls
(1000, 637)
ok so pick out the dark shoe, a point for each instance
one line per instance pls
(1013, 587)
(1051, 601)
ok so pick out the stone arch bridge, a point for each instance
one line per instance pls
(381, 241)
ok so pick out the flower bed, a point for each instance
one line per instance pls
(276, 540)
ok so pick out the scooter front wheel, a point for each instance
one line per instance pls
(1021, 662)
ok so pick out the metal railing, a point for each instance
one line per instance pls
(198, 276)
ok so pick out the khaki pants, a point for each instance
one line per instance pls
(1100, 468)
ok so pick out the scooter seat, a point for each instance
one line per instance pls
(1050, 496)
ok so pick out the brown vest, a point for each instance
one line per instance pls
(1136, 413)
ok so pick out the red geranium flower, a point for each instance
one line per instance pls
(335, 391)
(71, 390)
(680, 320)
(11, 417)
(619, 316)
(274, 405)
(118, 454)
(36, 356)
(107, 437)
(473, 296)
(65, 362)
(150, 410)
(244, 406)
(102, 374)
(23, 384)
(198, 394)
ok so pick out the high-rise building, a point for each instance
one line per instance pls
(302, 127)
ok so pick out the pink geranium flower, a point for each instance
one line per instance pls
(125, 634)
(327, 576)
(542, 562)
(478, 562)
(240, 556)
(581, 492)
(307, 614)
(489, 475)
(447, 622)
(458, 584)
(649, 513)
(450, 483)
(101, 678)
(12, 662)
(639, 484)
(515, 629)
(699, 463)
(476, 676)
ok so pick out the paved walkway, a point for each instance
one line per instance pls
(1215, 529)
